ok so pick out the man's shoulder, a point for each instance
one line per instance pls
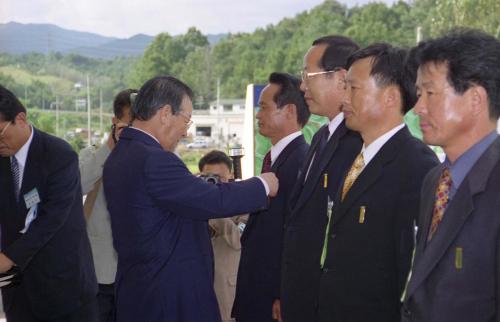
(52, 147)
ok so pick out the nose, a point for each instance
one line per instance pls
(419, 107)
(346, 99)
(303, 86)
(257, 116)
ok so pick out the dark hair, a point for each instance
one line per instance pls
(215, 157)
(10, 106)
(338, 48)
(391, 66)
(472, 57)
(290, 93)
(158, 92)
(122, 101)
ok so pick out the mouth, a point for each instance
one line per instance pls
(424, 126)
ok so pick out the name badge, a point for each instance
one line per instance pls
(31, 198)
(362, 212)
(459, 261)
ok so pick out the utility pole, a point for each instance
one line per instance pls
(100, 110)
(219, 135)
(57, 115)
(88, 112)
(419, 34)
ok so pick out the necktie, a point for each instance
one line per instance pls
(266, 163)
(354, 171)
(322, 143)
(16, 175)
(442, 194)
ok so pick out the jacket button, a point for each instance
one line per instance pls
(333, 236)
(407, 312)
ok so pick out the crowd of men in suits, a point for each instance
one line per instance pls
(363, 225)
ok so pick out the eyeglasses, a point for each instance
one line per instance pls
(4, 129)
(306, 76)
(187, 118)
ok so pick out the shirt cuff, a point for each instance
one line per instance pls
(265, 185)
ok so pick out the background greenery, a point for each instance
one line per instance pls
(234, 61)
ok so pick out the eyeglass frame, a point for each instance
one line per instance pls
(305, 76)
(2, 134)
(189, 121)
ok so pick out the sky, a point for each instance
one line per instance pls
(125, 18)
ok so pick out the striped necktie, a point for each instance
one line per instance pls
(266, 163)
(352, 175)
(16, 175)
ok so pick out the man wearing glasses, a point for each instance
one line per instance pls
(332, 151)
(95, 208)
(159, 212)
(42, 224)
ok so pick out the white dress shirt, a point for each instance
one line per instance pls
(332, 127)
(281, 145)
(372, 149)
(21, 157)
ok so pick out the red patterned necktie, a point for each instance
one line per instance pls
(442, 194)
(266, 163)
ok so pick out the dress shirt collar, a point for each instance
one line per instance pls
(334, 124)
(281, 145)
(461, 167)
(22, 155)
(372, 149)
(145, 132)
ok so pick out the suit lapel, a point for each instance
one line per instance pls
(31, 170)
(319, 166)
(295, 143)
(287, 151)
(370, 174)
(455, 216)
(299, 185)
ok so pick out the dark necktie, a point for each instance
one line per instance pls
(322, 142)
(14, 167)
(266, 163)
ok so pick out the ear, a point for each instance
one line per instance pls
(341, 74)
(478, 100)
(165, 113)
(21, 118)
(392, 97)
(291, 111)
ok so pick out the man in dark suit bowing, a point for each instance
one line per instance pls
(370, 237)
(159, 212)
(282, 114)
(42, 224)
(332, 151)
(456, 271)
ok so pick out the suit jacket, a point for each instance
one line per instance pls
(227, 250)
(258, 282)
(371, 235)
(455, 277)
(54, 254)
(306, 225)
(99, 224)
(159, 214)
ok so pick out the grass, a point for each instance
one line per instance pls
(24, 77)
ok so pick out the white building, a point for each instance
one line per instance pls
(222, 123)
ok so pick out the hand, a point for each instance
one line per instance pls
(277, 310)
(5, 263)
(272, 181)
(118, 128)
